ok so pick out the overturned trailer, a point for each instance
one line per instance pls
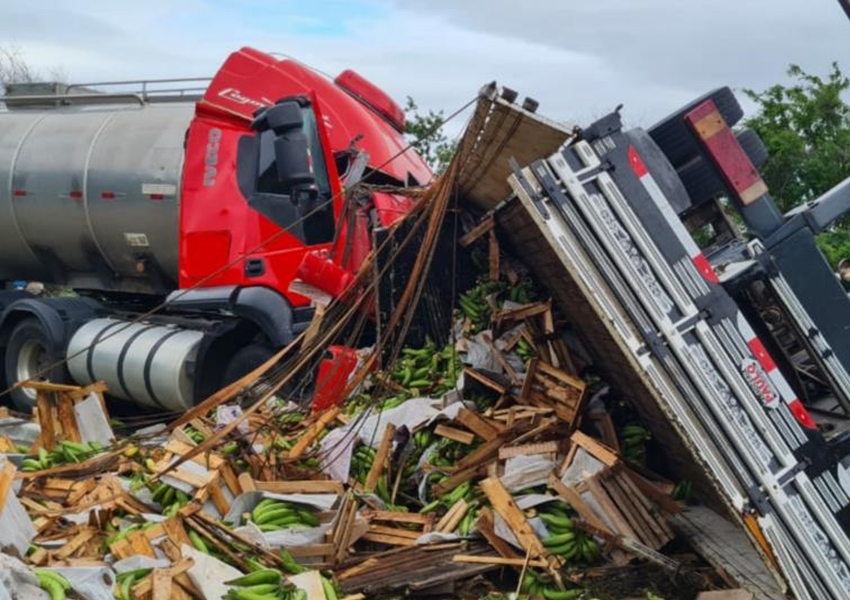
(601, 217)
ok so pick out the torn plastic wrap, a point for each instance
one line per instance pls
(208, 574)
(16, 528)
(17, 581)
(523, 472)
(338, 445)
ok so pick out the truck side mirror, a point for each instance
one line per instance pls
(293, 160)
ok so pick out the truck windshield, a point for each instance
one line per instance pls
(269, 183)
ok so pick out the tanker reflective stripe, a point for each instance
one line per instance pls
(697, 257)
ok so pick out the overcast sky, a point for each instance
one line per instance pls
(579, 58)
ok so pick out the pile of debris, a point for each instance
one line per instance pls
(494, 463)
(486, 453)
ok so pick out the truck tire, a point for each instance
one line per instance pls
(30, 354)
(245, 360)
(700, 176)
(675, 138)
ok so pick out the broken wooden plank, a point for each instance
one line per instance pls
(499, 560)
(481, 229)
(484, 428)
(313, 432)
(381, 456)
(550, 447)
(507, 508)
(458, 435)
(306, 486)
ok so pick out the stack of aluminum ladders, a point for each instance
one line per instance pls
(603, 204)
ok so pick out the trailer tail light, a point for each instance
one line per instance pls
(371, 96)
(736, 168)
(333, 376)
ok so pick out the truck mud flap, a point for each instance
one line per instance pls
(613, 227)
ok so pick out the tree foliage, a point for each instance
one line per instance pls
(806, 128)
(425, 132)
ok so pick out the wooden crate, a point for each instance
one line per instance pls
(627, 508)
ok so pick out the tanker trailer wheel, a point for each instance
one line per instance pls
(30, 355)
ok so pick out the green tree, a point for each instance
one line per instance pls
(806, 128)
(425, 132)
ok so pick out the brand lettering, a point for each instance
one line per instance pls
(759, 382)
(238, 97)
(211, 157)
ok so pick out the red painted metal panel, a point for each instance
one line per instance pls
(724, 150)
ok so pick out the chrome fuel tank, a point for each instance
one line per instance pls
(142, 362)
(88, 194)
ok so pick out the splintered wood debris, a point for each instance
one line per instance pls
(482, 464)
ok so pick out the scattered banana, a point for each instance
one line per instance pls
(263, 584)
(66, 452)
(634, 438)
(564, 540)
(125, 581)
(53, 583)
(273, 515)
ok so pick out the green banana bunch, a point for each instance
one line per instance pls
(682, 490)
(422, 438)
(634, 438)
(66, 452)
(273, 515)
(53, 583)
(194, 435)
(521, 292)
(263, 584)
(125, 581)
(525, 350)
(464, 528)
(361, 462)
(537, 585)
(170, 498)
(37, 464)
(564, 540)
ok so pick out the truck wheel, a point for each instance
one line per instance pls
(675, 138)
(246, 360)
(29, 355)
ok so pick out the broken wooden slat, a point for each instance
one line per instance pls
(493, 255)
(391, 540)
(505, 505)
(528, 449)
(313, 432)
(574, 499)
(595, 448)
(306, 486)
(453, 516)
(482, 228)
(381, 456)
(484, 380)
(499, 560)
(480, 426)
(458, 435)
